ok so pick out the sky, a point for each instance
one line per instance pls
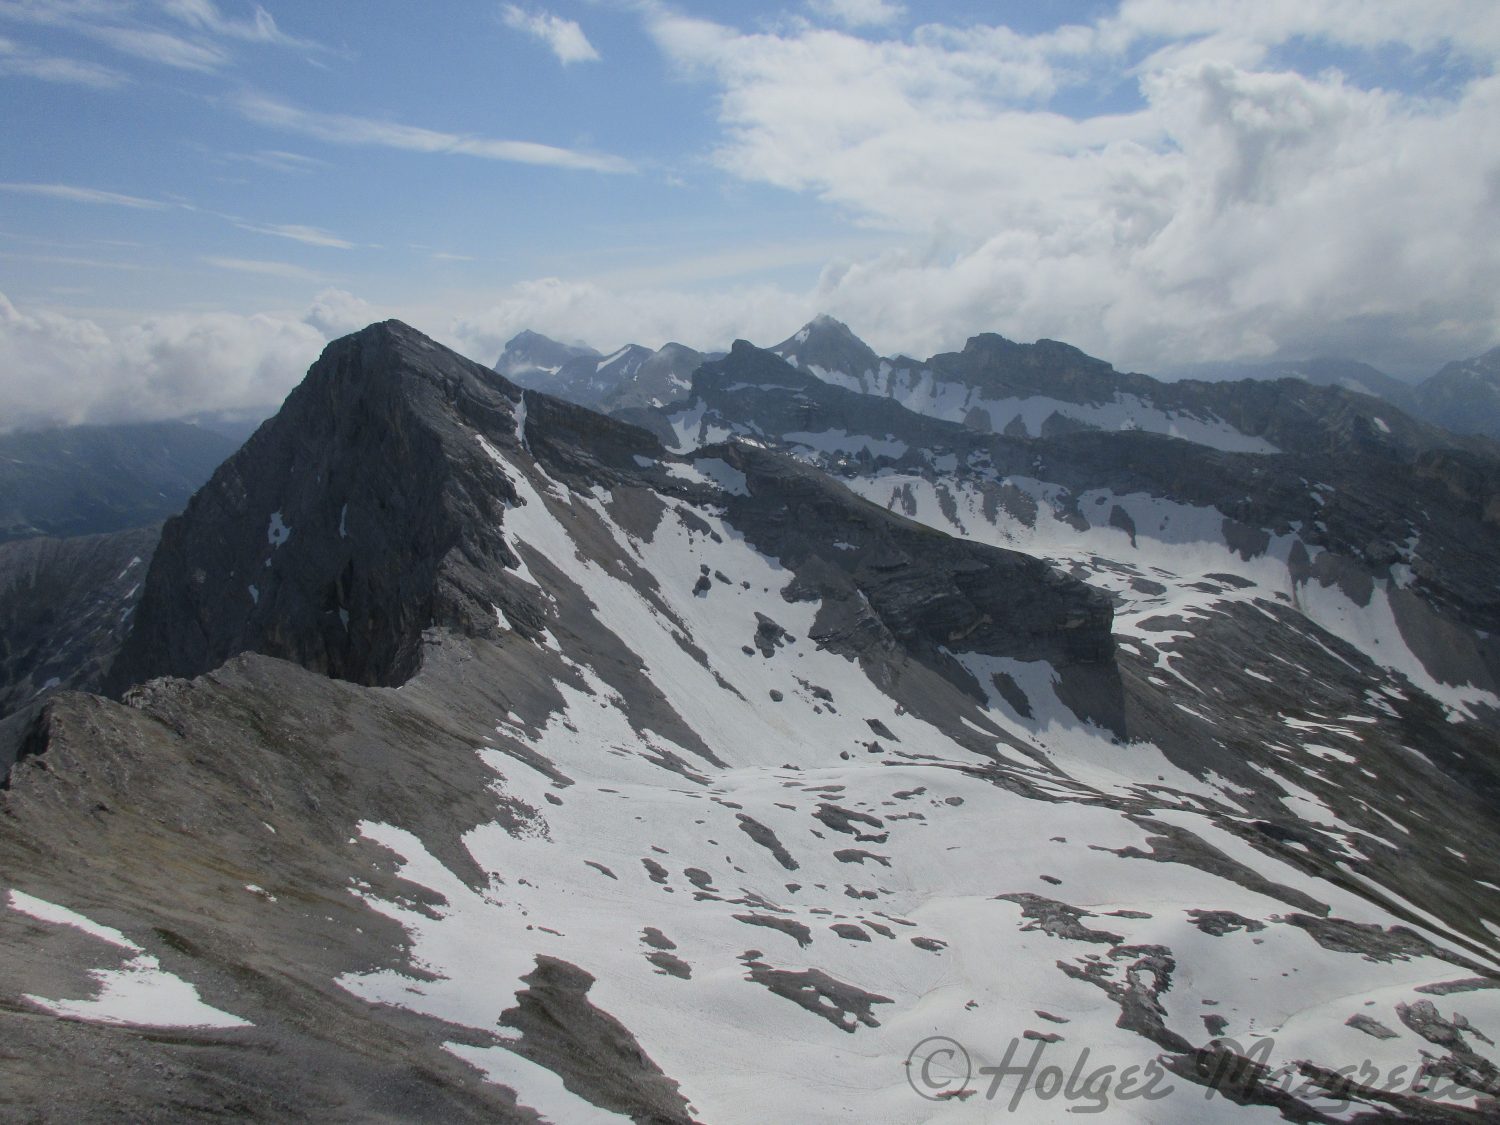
(196, 195)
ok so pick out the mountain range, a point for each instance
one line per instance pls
(811, 736)
(633, 376)
(1463, 397)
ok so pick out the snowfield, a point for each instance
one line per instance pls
(780, 926)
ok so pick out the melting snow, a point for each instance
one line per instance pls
(139, 992)
(814, 819)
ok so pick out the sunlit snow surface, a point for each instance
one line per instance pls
(874, 860)
(138, 992)
(1176, 546)
(927, 392)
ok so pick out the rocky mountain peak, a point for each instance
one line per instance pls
(747, 369)
(376, 505)
(1047, 367)
(531, 353)
(826, 347)
(362, 513)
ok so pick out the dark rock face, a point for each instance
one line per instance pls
(367, 511)
(1463, 397)
(597, 1055)
(898, 583)
(159, 799)
(1049, 368)
(1293, 414)
(828, 344)
(757, 392)
(65, 607)
(360, 515)
(86, 480)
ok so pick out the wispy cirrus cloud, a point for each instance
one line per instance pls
(308, 236)
(198, 40)
(348, 129)
(204, 15)
(19, 61)
(564, 37)
(70, 193)
(73, 260)
(277, 160)
(74, 194)
(286, 270)
(161, 47)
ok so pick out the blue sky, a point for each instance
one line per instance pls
(196, 194)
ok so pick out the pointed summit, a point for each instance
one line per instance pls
(363, 512)
(529, 357)
(825, 347)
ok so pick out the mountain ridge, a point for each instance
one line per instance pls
(655, 772)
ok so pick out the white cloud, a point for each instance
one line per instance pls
(84, 195)
(1463, 26)
(608, 317)
(62, 369)
(564, 37)
(341, 128)
(1239, 210)
(859, 13)
(336, 312)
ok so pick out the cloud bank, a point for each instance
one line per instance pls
(1239, 208)
(67, 370)
(1176, 181)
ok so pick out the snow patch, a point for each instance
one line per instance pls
(140, 992)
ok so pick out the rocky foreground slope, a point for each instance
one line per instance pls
(482, 757)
